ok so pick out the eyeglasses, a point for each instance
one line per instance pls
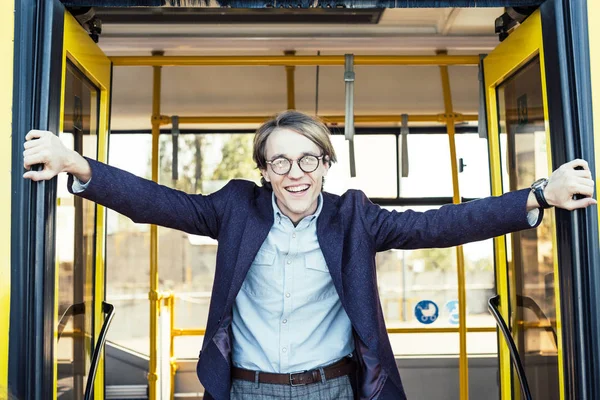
(307, 163)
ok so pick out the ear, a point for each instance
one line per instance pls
(326, 165)
(265, 175)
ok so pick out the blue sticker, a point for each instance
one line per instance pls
(453, 316)
(426, 312)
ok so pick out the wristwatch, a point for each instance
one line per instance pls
(538, 190)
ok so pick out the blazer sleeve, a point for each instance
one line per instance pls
(145, 201)
(450, 225)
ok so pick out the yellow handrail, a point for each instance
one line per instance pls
(478, 329)
(460, 259)
(332, 119)
(153, 295)
(172, 61)
(290, 75)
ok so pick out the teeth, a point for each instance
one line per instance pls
(297, 189)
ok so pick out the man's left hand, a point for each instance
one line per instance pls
(565, 183)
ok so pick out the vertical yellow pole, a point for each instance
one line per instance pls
(153, 295)
(290, 80)
(6, 68)
(460, 260)
(171, 305)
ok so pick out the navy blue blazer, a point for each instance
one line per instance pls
(350, 230)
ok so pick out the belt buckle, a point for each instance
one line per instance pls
(292, 379)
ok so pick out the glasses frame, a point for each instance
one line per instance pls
(270, 162)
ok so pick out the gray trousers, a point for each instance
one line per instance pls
(332, 389)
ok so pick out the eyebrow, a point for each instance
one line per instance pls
(281, 155)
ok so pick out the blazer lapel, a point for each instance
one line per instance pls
(258, 225)
(330, 236)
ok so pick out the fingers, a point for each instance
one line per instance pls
(30, 152)
(578, 163)
(585, 182)
(35, 176)
(582, 203)
(37, 158)
(583, 189)
(39, 137)
(583, 173)
(36, 134)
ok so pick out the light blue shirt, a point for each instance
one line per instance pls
(288, 316)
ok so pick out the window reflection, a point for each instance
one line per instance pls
(128, 253)
(75, 243)
(522, 127)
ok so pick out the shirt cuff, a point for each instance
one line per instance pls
(532, 216)
(79, 187)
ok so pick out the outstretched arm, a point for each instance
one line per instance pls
(452, 225)
(141, 200)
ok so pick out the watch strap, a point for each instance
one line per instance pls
(541, 199)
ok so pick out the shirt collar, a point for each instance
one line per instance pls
(309, 218)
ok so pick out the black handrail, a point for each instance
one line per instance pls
(530, 304)
(493, 304)
(73, 309)
(108, 309)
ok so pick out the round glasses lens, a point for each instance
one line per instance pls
(309, 163)
(280, 165)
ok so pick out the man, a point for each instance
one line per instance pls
(295, 311)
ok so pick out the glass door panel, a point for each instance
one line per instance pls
(76, 238)
(530, 257)
(526, 266)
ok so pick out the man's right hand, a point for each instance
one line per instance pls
(43, 147)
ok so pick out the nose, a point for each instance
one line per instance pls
(295, 171)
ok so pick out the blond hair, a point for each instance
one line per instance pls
(310, 127)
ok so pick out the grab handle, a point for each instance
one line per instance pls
(493, 304)
(108, 309)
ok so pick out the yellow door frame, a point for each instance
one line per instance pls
(81, 50)
(6, 68)
(519, 48)
(594, 33)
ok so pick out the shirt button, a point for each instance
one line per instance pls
(293, 235)
(284, 321)
(287, 295)
(284, 350)
(288, 262)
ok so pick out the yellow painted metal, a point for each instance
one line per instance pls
(290, 60)
(172, 360)
(482, 329)
(189, 332)
(79, 49)
(291, 86)
(594, 34)
(460, 260)
(499, 242)
(153, 295)
(6, 68)
(522, 45)
(331, 119)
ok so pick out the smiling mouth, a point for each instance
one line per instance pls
(297, 188)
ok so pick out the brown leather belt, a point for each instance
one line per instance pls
(343, 367)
